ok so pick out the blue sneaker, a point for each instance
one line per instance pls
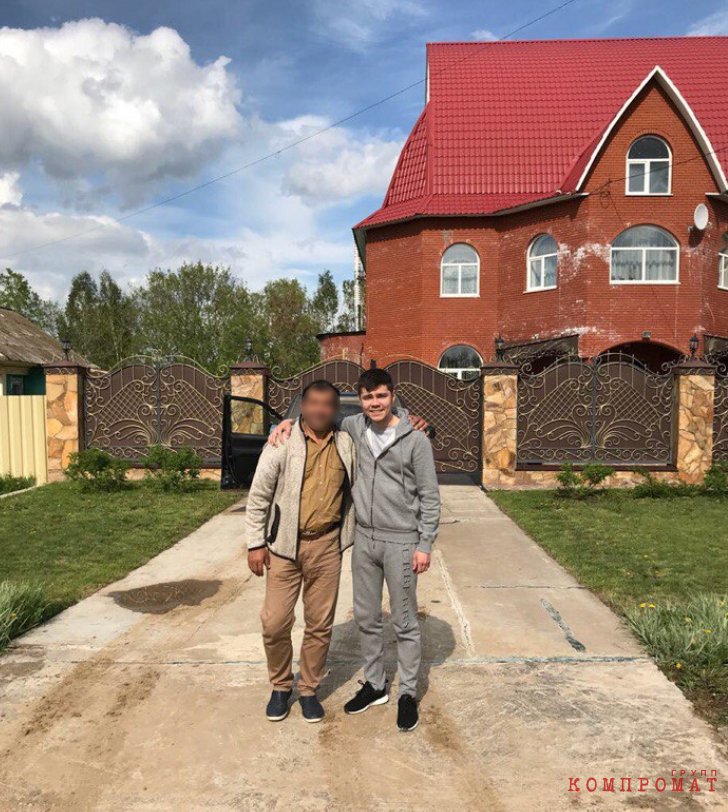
(278, 707)
(311, 708)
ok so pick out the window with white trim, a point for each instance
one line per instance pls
(723, 266)
(649, 167)
(460, 271)
(644, 255)
(542, 263)
(461, 361)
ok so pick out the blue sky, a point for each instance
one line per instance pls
(112, 106)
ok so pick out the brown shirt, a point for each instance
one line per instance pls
(323, 483)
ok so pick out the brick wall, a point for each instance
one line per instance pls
(407, 317)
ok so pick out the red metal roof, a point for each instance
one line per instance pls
(510, 123)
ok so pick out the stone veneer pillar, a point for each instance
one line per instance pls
(500, 393)
(696, 390)
(64, 401)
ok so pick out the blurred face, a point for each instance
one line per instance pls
(319, 409)
(377, 403)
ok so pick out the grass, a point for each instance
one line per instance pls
(70, 542)
(657, 562)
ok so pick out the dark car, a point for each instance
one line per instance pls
(246, 424)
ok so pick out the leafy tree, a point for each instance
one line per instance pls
(325, 302)
(347, 318)
(17, 294)
(99, 319)
(201, 311)
(288, 341)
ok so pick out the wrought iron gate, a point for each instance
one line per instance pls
(720, 412)
(143, 401)
(452, 406)
(612, 409)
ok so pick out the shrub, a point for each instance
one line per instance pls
(8, 483)
(95, 469)
(22, 606)
(172, 469)
(585, 482)
(716, 479)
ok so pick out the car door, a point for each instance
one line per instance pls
(246, 423)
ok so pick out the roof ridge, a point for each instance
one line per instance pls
(685, 37)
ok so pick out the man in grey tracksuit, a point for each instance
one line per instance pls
(397, 507)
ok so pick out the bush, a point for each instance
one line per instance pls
(172, 469)
(8, 483)
(653, 488)
(585, 482)
(95, 469)
(716, 479)
(22, 606)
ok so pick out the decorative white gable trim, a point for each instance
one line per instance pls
(687, 112)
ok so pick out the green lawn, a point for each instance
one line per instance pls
(663, 563)
(73, 542)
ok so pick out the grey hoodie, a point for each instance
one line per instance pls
(396, 496)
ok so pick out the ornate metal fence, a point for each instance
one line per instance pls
(144, 400)
(452, 406)
(720, 410)
(612, 409)
(281, 391)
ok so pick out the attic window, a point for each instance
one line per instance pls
(649, 164)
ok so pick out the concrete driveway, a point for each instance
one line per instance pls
(149, 695)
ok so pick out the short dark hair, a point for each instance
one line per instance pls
(321, 386)
(371, 379)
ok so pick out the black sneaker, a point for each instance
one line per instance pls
(407, 716)
(277, 708)
(366, 697)
(311, 708)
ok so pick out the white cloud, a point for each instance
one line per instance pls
(485, 34)
(713, 24)
(337, 164)
(92, 96)
(357, 25)
(10, 191)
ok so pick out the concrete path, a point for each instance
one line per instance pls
(149, 695)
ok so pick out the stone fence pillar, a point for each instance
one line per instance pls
(500, 393)
(248, 380)
(696, 390)
(64, 409)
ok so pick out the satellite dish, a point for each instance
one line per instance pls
(700, 217)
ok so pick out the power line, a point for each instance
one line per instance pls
(292, 145)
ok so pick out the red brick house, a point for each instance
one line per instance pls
(546, 196)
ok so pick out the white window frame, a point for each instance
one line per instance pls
(723, 269)
(459, 266)
(457, 372)
(644, 250)
(529, 259)
(647, 162)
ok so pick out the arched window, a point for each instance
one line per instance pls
(461, 361)
(649, 167)
(542, 260)
(644, 254)
(460, 271)
(723, 265)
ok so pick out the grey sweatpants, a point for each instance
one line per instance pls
(372, 563)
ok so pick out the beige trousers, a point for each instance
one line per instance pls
(318, 569)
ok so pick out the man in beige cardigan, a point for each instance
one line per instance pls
(299, 521)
